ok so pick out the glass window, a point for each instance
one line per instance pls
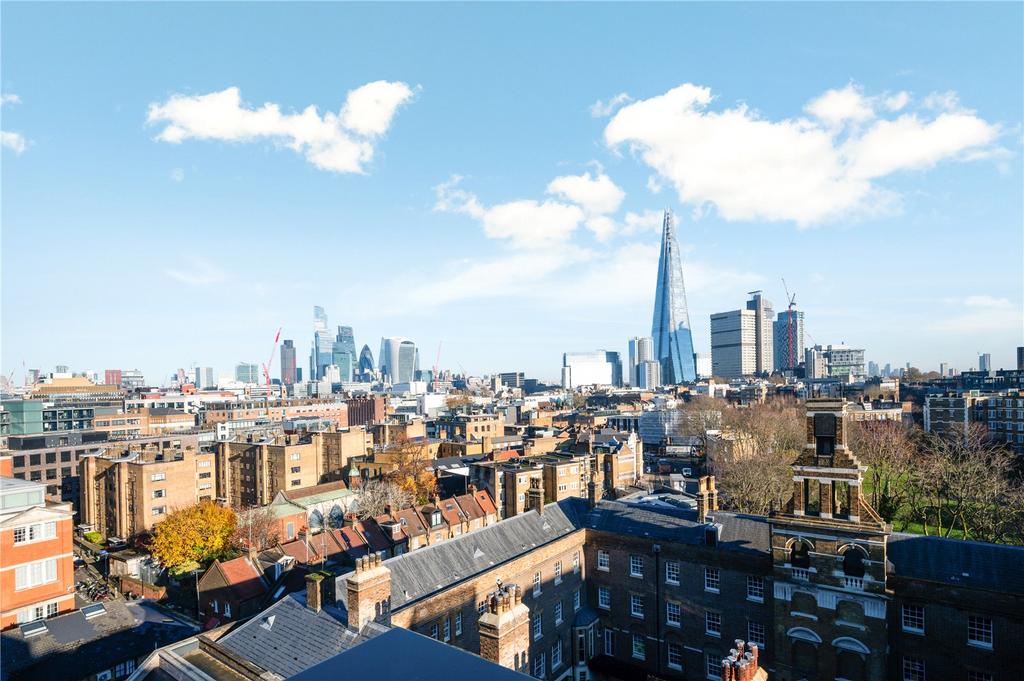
(639, 646)
(556, 655)
(755, 589)
(675, 655)
(913, 618)
(558, 612)
(538, 626)
(576, 562)
(713, 665)
(433, 631)
(913, 669)
(603, 560)
(609, 642)
(756, 633)
(558, 574)
(673, 614)
(604, 598)
(672, 571)
(711, 579)
(979, 631)
(713, 623)
(636, 605)
(636, 565)
(458, 624)
(447, 629)
(576, 600)
(538, 666)
(536, 583)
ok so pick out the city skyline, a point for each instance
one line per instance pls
(434, 198)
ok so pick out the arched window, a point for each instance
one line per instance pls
(800, 554)
(853, 562)
(316, 520)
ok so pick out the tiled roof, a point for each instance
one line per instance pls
(469, 506)
(242, 577)
(485, 501)
(301, 551)
(328, 491)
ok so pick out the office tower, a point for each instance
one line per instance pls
(648, 375)
(512, 379)
(399, 359)
(599, 367)
(366, 364)
(834, 361)
(202, 377)
(343, 352)
(985, 362)
(734, 343)
(670, 329)
(321, 354)
(888, 370)
(112, 377)
(32, 377)
(641, 349)
(288, 363)
(943, 369)
(763, 340)
(789, 344)
(247, 373)
(1020, 358)
(872, 368)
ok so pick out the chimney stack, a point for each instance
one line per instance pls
(592, 493)
(707, 497)
(314, 597)
(505, 628)
(369, 592)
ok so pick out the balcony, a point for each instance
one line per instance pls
(854, 583)
(802, 574)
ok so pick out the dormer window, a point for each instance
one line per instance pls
(435, 518)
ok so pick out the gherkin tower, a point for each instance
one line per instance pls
(673, 342)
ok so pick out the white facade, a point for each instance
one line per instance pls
(734, 343)
(703, 361)
(648, 375)
(586, 368)
(764, 340)
(641, 349)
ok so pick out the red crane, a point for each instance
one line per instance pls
(270, 362)
(790, 349)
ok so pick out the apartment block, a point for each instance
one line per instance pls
(127, 491)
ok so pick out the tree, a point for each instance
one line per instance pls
(255, 527)
(457, 401)
(410, 461)
(888, 449)
(376, 495)
(192, 536)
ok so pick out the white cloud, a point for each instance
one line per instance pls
(648, 221)
(981, 314)
(199, 273)
(525, 223)
(596, 195)
(601, 109)
(178, 174)
(13, 141)
(654, 186)
(988, 302)
(804, 170)
(836, 107)
(897, 101)
(9, 98)
(338, 143)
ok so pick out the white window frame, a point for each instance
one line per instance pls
(558, 572)
(914, 669)
(755, 589)
(635, 560)
(761, 642)
(556, 655)
(639, 651)
(604, 598)
(577, 600)
(672, 572)
(434, 631)
(604, 560)
(913, 617)
(669, 646)
(636, 606)
(538, 666)
(538, 626)
(673, 614)
(713, 618)
(609, 641)
(977, 623)
(712, 580)
(536, 583)
(447, 630)
(458, 624)
(711, 664)
(37, 573)
(558, 613)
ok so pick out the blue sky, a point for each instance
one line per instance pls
(484, 185)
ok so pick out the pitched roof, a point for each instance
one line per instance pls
(411, 521)
(486, 503)
(317, 493)
(288, 637)
(955, 562)
(243, 579)
(301, 551)
(419, 573)
(469, 506)
(373, 534)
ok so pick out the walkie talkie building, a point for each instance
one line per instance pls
(673, 342)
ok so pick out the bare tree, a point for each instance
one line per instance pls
(376, 495)
(888, 449)
(255, 527)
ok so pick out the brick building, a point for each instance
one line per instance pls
(128, 491)
(363, 411)
(36, 564)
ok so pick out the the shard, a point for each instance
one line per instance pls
(673, 342)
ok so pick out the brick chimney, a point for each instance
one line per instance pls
(742, 664)
(707, 497)
(505, 628)
(592, 493)
(314, 595)
(349, 519)
(369, 592)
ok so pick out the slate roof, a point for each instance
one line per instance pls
(421, 659)
(288, 637)
(973, 564)
(73, 647)
(420, 573)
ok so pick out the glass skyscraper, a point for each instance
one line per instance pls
(343, 352)
(673, 342)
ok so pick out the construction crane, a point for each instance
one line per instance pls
(437, 361)
(270, 362)
(790, 348)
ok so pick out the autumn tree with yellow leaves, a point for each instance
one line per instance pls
(192, 536)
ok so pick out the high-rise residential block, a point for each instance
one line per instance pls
(734, 343)
(985, 362)
(670, 329)
(641, 349)
(788, 330)
(763, 338)
(648, 375)
(203, 378)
